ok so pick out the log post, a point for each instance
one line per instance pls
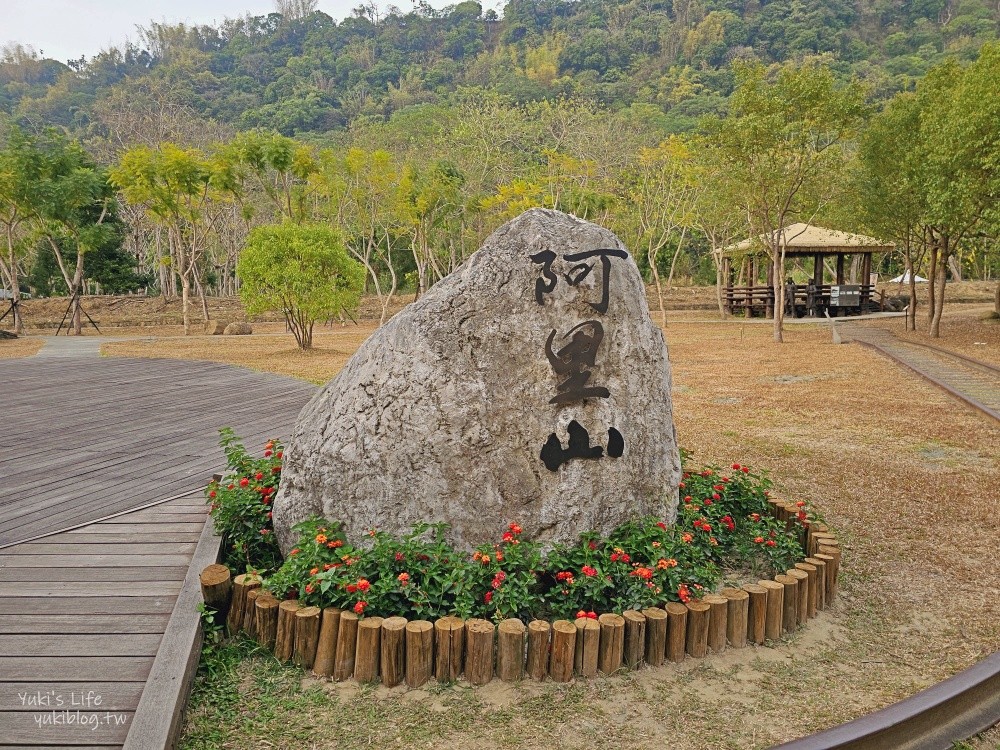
(801, 594)
(366, 656)
(347, 647)
(450, 641)
(266, 621)
(718, 620)
(820, 566)
(812, 587)
(392, 658)
(697, 629)
(248, 623)
(656, 636)
(241, 585)
(832, 581)
(635, 638)
(789, 602)
(479, 635)
(284, 638)
(588, 646)
(612, 646)
(419, 652)
(538, 649)
(677, 615)
(510, 650)
(563, 651)
(756, 613)
(774, 616)
(830, 573)
(306, 636)
(326, 648)
(737, 607)
(216, 589)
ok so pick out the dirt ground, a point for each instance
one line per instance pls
(906, 476)
(19, 347)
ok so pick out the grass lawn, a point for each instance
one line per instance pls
(904, 474)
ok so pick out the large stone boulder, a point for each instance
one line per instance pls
(529, 386)
(215, 327)
(238, 329)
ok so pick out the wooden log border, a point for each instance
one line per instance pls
(562, 650)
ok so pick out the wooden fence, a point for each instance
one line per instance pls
(338, 644)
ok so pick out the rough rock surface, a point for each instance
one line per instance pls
(238, 329)
(521, 388)
(215, 327)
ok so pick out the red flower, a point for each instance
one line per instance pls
(800, 504)
(591, 615)
(264, 532)
(359, 608)
(662, 525)
(294, 551)
(580, 614)
(363, 584)
(400, 557)
(588, 571)
(488, 597)
(279, 454)
(736, 467)
(716, 496)
(803, 515)
(267, 454)
(244, 482)
(746, 470)
(334, 544)
(771, 543)
(211, 494)
(592, 544)
(314, 571)
(276, 470)
(351, 588)
(758, 540)
(683, 593)
(309, 588)
(515, 529)
(498, 579)
(755, 516)
(403, 578)
(643, 573)
(258, 476)
(230, 486)
(508, 536)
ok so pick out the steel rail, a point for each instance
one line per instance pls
(933, 380)
(951, 711)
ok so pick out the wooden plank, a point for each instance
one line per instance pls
(63, 727)
(92, 561)
(45, 548)
(57, 624)
(75, 668)
(128, 526)
(75, 589)
(135, 605)
(95, 575)
(130, 537)
(79, 645)
(32, 697)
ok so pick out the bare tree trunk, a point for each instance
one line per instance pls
(911, 309)
(939, 294)
(201, 293)
(716, 258)
(956, 267)
(932, 281)
(778, 284)
(15, 287)
(996, 300)
(651, 256)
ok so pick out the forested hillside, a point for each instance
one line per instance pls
(303, 72)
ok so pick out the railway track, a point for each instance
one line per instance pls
(968, 379)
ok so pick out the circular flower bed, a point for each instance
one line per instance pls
(725, 533)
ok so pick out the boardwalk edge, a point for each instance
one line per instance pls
(157, 719)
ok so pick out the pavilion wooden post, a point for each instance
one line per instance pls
(840, 268)
(866, 276)
(771, 301)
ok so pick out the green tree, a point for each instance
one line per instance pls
(783, 143)
(175, 185)
(302, 270)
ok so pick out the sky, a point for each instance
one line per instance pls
(67, 29)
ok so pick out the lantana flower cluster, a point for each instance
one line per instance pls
(722, 524)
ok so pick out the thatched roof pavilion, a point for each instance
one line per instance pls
(801, 240)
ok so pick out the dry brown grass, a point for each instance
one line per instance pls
(19, 347)
(905, 474)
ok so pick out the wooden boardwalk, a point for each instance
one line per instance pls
(85, 438)
(89, 630)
